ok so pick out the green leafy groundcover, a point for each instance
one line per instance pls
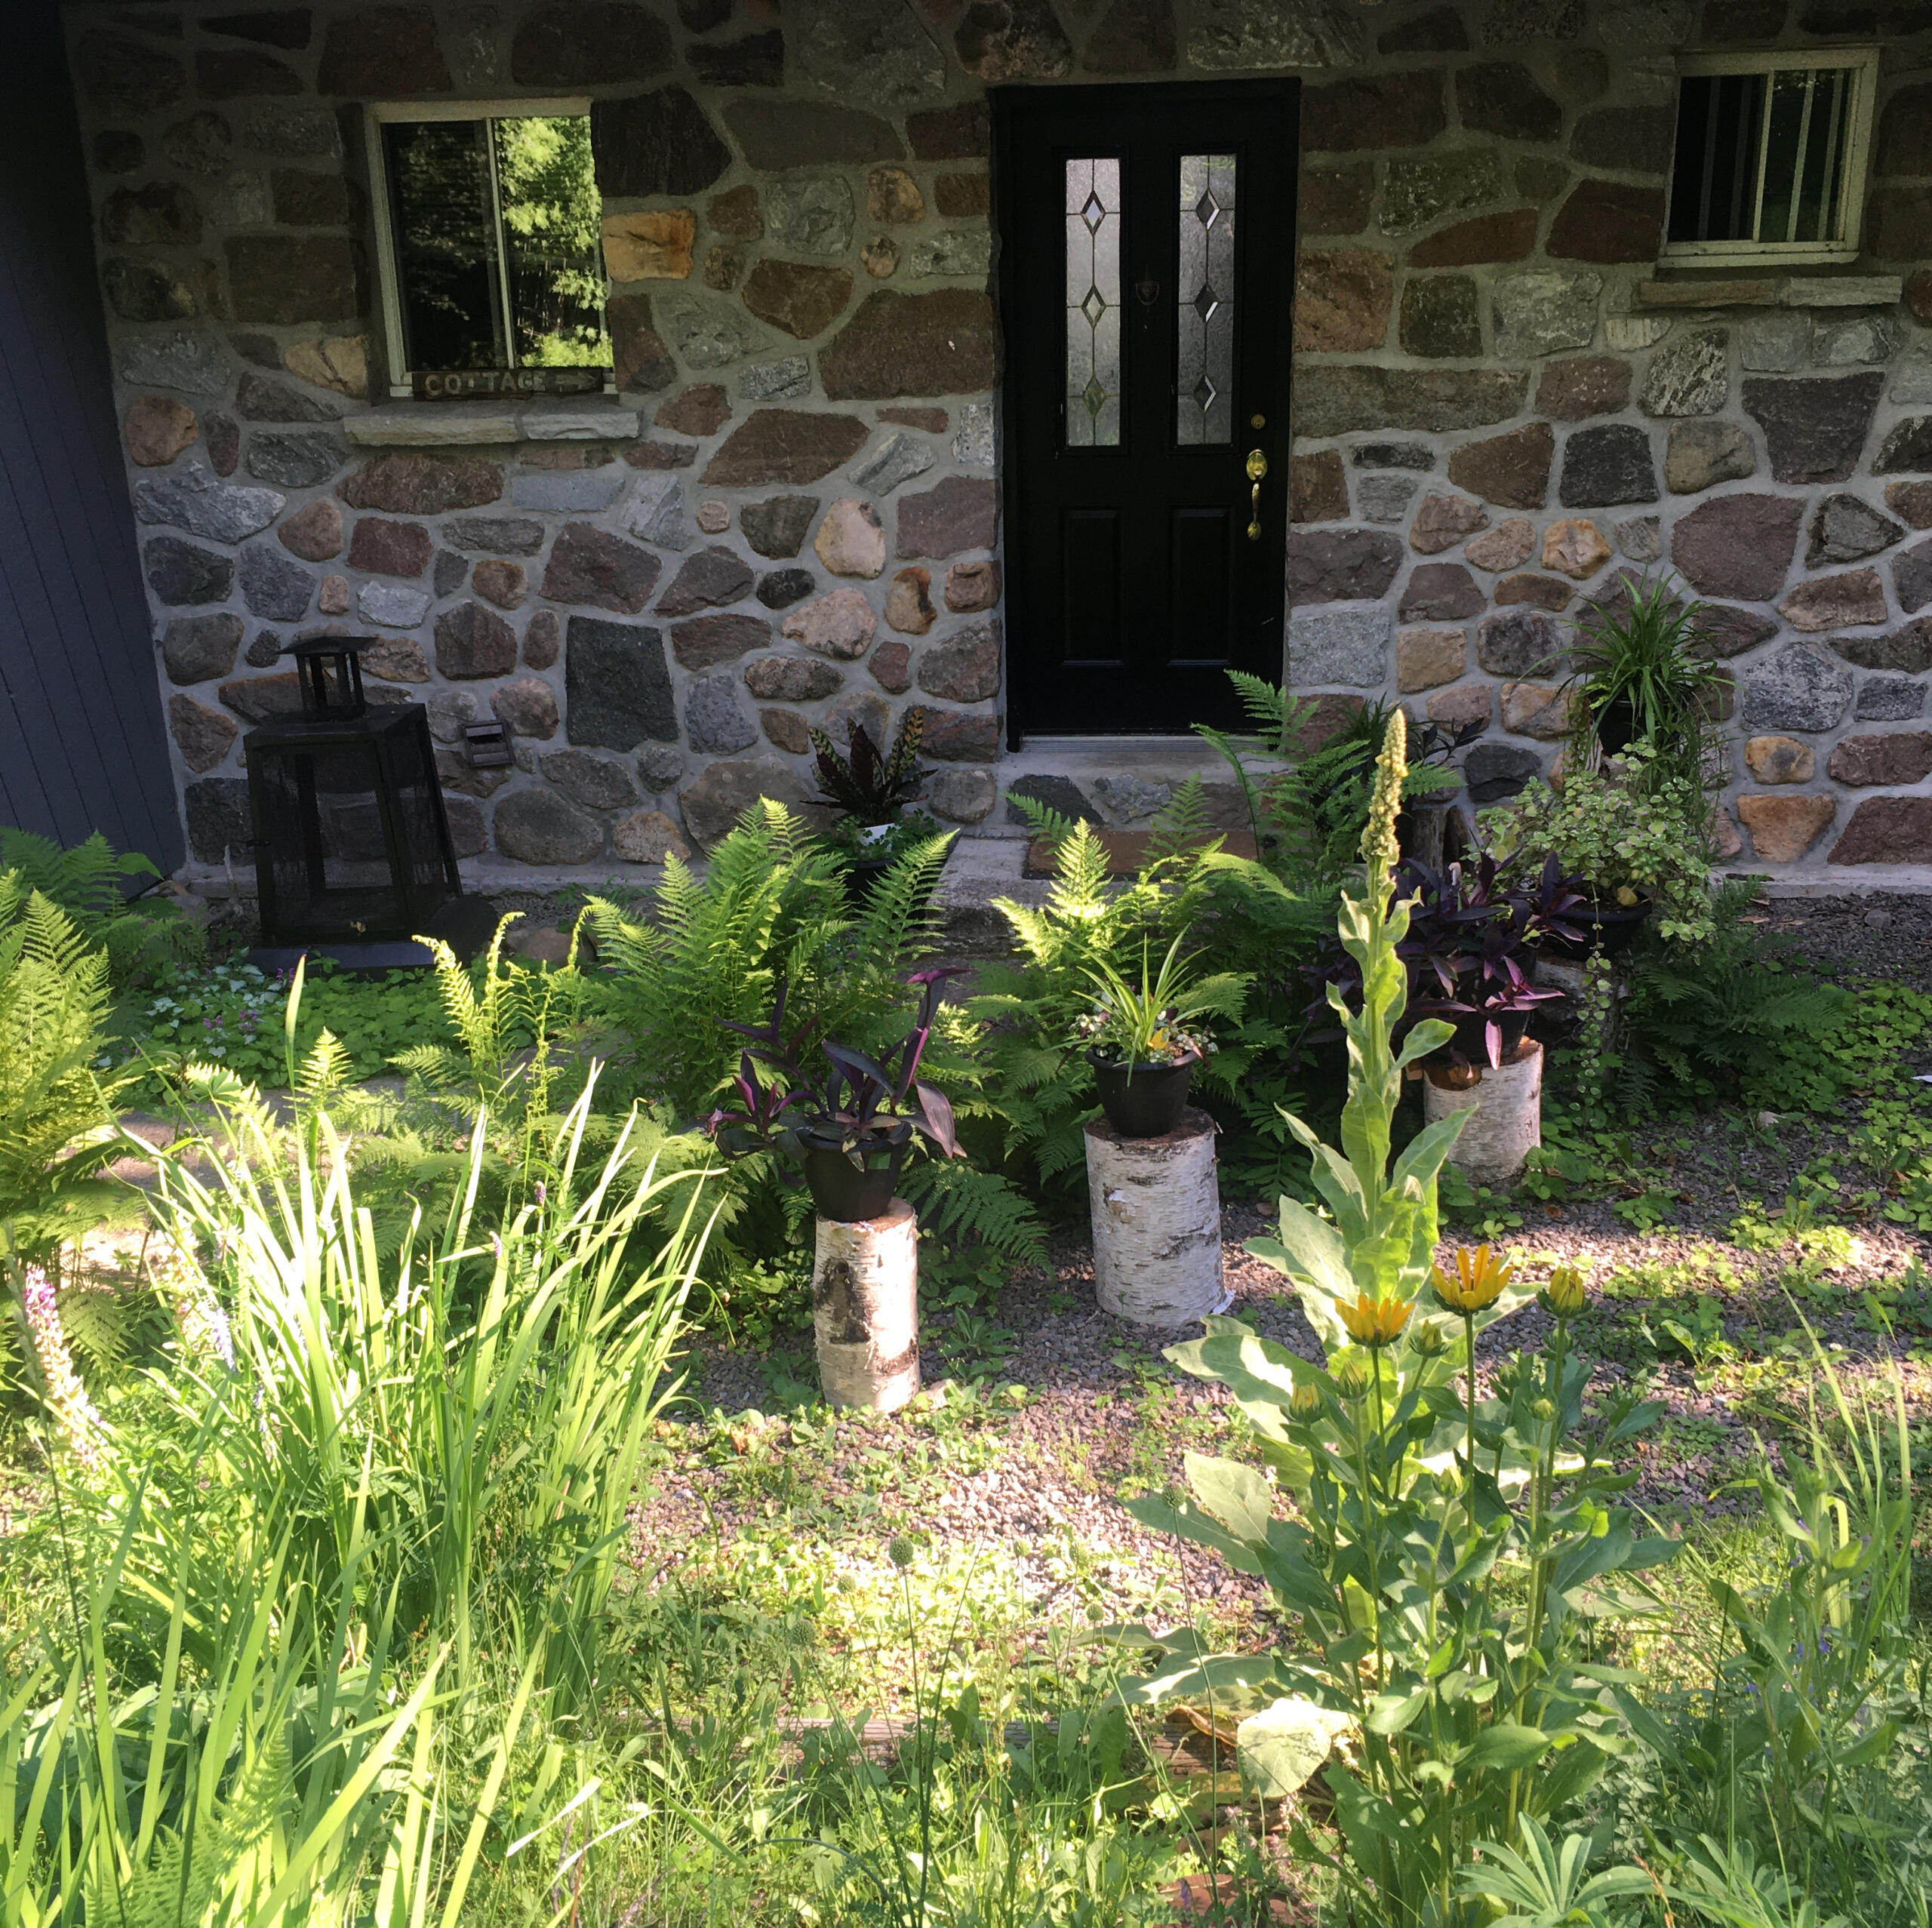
(232, 1013)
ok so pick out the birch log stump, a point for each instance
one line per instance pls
(1157, 1222)
(1508, 1105)
(865, 1308)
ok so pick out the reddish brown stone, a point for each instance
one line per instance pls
(163, 214)
(1502, 98)
(1340, 565)
(1511, 470)
(382, 51)
(473, 642)
(390, 548)
(1723, 631)
(590, 566)
(777, 135)
(289, 278)
(707, 640)
(961, 197)
(954, 735)
(587, 43)
(504, 584)
(890, 665)
(933, 421)
(1738, 545)
(1918, 295)
(1912, 501)
(223, 442)
(909, 603)
(259, 698)
(1608, 221)
(305, 200)
(1440, 592)
(787, 729)
(962, 513)
(791, 679)
(642, 355)
(1335, 201)
(423, 484)
(1585, 384)
(1887, 830)
(1318, 487)
(233, 74)
(1000, 40)
(964, 133)
(714, 576)
(1896, 759)
(1134, 37)
(1853, 598)
(803, 301)
(1342, 300)
(1544, 592)
(1627, 139)
(1391, 110)
(735, 213)
(314, 532)
(542, 641)
(785, 445)
(940, 343)
(963, 668)
(1439, 31)
(158, 430)
(1442, 522)
(1510, 236)
(204, 736)
(526, 708)
(660, 455)
(1904, 132)
(972, 586)
(702, 409)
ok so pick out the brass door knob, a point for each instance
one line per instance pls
(1257, 467)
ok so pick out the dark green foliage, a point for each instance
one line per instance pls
(869, 787)
(976, 1228)
(90, 883)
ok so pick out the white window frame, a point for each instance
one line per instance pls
(1864, 62)
(376, 115)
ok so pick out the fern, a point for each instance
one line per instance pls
(977, 1227)
(100, 1325)
(90, 883)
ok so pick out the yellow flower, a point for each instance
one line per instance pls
(1563, 1296)
(1375, 1322)
(1481, 1276)
(1304, 1402)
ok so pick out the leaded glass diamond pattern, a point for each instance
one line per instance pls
(1093, 206)
(1203, 372)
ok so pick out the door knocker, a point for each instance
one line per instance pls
(1148, 289)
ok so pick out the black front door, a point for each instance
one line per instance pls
(1145, 273)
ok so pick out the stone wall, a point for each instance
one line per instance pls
(790, 514)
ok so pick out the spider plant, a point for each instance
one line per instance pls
(1156, 1023)
(1637, 674)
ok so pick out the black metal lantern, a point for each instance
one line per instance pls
(352, 841)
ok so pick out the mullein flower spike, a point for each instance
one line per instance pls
(1482, 1277)
(1379, 848)
(73, 1412)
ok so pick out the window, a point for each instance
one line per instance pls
(488, 231)
(1770, 164)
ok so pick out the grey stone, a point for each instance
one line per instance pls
(1276, 33)
(449, 574)
(959, 252)
(659, 143)
(1420, 191)
(193, 363)
(221, 825)
(1394, 455)
(293, 461)
(471, 44)
(708, 332)
(659, 767)
(1691, 375)
(874, 51)
(194, 500)
(1520, 642)
(813, 216)
(567, 488)
(973, 438)
(1775, 344)
(1890, 699)
(1510, 22)
(292, 131)
(617, 683)
(1387, 498)
(1702, 453)
(258, 399)
(1057, 793)
(1802, 686)
(391, 605)
(1130, 798)
(241, 200)
(1845, 529)
(1349, 647)
(779, 589)
(1493, 771)
(772, 381)
(715, 723)
(274, 586)
(778, 526)
(1907, 448)
(537, 826)
(1639, 538)
(1908, 649)
(898, 458)
(1605, 467)
(722, 793)
(197, 649)
(450, 710)
(1646, 25)
(1815, 429)
(1856, 341)
(265, 652)
(1545, 310)
(182, 573)
(1339, 400)
(655, 513)
(961, 796)
(496, 535)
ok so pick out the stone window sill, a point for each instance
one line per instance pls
(1773, 291)
(466, 424)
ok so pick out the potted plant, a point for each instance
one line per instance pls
(871, 791)
(1632, 830)
(849, 1128)
(1143, 1043)
(1637, 677)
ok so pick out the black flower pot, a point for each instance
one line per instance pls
(862, 876)
(1471, 1039)
(848, 1193)
(1607, 927)
(1616, 727)
(1150, 1103)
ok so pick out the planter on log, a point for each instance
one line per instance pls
(1508, 1105)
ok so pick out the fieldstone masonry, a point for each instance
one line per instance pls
(789, 516)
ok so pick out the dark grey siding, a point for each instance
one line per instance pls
(81, 741)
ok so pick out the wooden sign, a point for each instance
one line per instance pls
(469, 384)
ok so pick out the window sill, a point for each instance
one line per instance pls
(469, 424)
(1773, 291)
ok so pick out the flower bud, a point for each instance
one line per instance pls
(1563, 1296)
(1305, 1402)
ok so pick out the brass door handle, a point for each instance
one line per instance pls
(1257, 467)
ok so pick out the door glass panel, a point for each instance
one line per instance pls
(1093, 304)
(1204, 367)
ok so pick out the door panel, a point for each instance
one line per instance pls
(1146, 260)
